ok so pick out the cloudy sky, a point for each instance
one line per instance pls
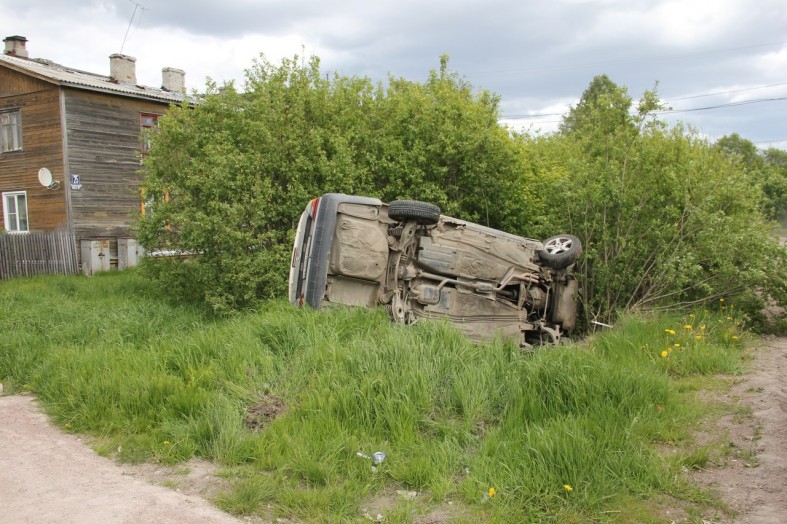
(721, 64)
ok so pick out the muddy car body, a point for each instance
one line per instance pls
(418, 264)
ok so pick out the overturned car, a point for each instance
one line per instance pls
(417, 263)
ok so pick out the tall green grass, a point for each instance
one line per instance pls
(563, 434)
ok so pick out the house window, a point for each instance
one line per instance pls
(10, 131)
(15, 212)
(148, 123)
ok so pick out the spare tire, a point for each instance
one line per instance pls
(560, 251)
(421, 212)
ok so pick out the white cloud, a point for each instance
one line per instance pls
(774, 64)
(537, 56)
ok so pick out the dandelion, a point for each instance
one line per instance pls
(687, 326)
(676, 345)
(166, 442)
(568, 487)
(491, 492)
(702, 327)
(669, 331)
(665, 353)
(734, 337)
(698, 337)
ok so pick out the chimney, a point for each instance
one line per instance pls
(173, 79)
(122, 69)
(15, 46)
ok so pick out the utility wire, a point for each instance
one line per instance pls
(726, 92)
(665, 111)
(722, 106)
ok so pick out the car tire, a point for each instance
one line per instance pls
(560, 251)
(421, 212)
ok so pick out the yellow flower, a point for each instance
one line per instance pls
(568, 487)
(491, 492)
(669, 331)
(687, 326)
(676, 345)
(166, 442)
(67, 425)
(729, 318)
(721, 300)
(734, 337)
(665, 353)
(702, 327)
(698, 337)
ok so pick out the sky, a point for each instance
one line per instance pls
(720, 65)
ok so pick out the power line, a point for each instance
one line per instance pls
(726, 92)
(722, 106)
(667, 111)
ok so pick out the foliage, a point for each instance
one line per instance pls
(495, 432)
(768, 168)
(666, 219)
(230, 176)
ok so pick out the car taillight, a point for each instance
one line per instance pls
(313, 208)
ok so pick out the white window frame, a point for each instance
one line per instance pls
(13, 222)
(10, 130)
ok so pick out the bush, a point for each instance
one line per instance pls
(228, 179)
(667, 220)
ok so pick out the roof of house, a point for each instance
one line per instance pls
(66, 76)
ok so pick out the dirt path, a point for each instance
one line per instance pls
(752, 480)
(50, 476)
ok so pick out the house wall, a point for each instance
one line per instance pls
(42, 146)
(103, 137)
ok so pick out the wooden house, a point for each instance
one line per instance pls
(71, 143)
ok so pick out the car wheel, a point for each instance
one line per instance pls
(421, 212)
(560, 251)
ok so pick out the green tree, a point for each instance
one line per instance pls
(743, 149)
(774, 185)
(769, 169)
(666, 219)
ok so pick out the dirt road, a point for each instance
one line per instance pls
(50, 476)
(752, 479)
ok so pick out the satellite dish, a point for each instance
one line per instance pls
(45, 179)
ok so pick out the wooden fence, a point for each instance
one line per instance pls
(37, 253)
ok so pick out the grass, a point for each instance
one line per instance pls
(564, 434)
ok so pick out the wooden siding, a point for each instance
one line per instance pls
(42, 146)
(103, 137)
